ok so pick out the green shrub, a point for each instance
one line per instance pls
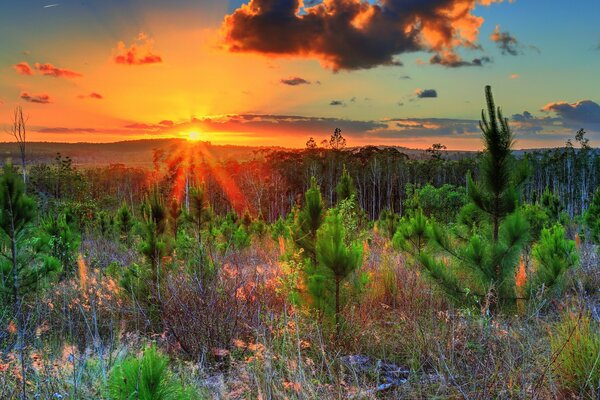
(146, 378)
(554, 255)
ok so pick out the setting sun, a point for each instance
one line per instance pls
(193, 136)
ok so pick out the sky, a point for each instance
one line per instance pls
(276, 72)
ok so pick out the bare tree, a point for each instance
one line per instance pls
(18, 130)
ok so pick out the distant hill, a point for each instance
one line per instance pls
(133, 153)
(140, 152)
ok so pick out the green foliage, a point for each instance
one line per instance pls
(442, 203)
(199, 209)
(388, 223)
(576, 341)
(345, 188)
(336, 261)
(551, 205)
(280, 229)
(592, 218)
(487, 252)
(496, 191)
(105, 224)
(241, 238)
(147, 378)
(26, 262)
(412, 234)
(124, 223)
(309, 220)
(354, 218)
(537, 217)
(63, 241)
(554, 254)
(155, 243)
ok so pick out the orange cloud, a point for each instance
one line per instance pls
(23, 68)
(38, 98)
(51, 70)
(356, 34)
(139, 53)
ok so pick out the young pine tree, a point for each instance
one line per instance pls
(592, 218)
(336, 261)
(63, 241)
(25, 263)
(345, 188)
(309, 220)
(175, 212)
(199, 209)
(411, 235)
(488, 253)
(554, 254)
(154, 242)
(125, 223)
(147, 378)
(388, 223)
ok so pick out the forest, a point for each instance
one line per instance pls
(327, 272)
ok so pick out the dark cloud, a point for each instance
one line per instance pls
(337, 103)
(67, 130)
(427, 94)
(456, 62)
(51, 70)
(525, 116)
(37, 98)
(507, 43)
(93, 95)
(295, 81)
(139, 53)
(356, 34)
(582, 114)
(429, 127)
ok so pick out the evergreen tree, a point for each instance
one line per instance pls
(592, 218)
(551, 204)
(337, 260)
(554, 254)
(345, 188)
(337, 141)
(63, 241)
(411, 235)
(154, 243)
(388, 223)
(199, 209)
(309, 220)
(495, 193)
(488, 251)
(25, 263)
(175, 212)
(125, 223)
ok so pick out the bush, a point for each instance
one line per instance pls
(554, 255)
(147, 378)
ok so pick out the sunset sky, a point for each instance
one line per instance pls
(268, 72)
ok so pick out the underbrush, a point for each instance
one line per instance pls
(239, 333)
